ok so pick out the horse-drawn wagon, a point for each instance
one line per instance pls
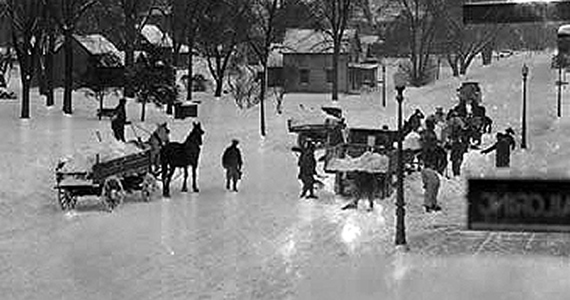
(110, 179)
(366, 151)
(321, 132)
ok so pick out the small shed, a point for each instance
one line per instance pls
(91, 54)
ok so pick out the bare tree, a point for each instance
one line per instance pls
(422, 26)
(67, 14)
(125, 19)
(224, 26)
(263, 33)
(463, 42)
(185, 23)
(25, 18)
(46, 57)
(332, 16)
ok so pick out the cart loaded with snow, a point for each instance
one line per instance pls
(322, 128)
(108, 170)
(366, 151)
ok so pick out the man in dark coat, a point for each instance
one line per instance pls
(307, 170)
(458, 149)
(232, 162)
(503, 147)
(119, 120)
(428, 142)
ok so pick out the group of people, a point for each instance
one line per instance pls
(452, 133)
(232, 160)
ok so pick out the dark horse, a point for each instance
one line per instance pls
(181, 155)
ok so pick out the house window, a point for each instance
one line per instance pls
(329, 75)
(304, 76)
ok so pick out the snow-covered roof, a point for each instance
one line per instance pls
(155, 36)
(98, 46)
(312, 41)
(564, 30)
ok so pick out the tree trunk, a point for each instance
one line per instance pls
(143, 111)
(50, 100)
(68, 84)
(453, 65)
(262, 98)
(487, 54)
(26, 79)
(128, 90)
(219, 87)
(336, 53)
(189, 82)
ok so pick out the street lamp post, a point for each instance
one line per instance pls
(523, 131)
(383, 85)
(400, 83)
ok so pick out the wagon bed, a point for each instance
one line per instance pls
(108, 178)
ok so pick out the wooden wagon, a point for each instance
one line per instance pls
(362, 141)
(322, 134)
(110, 180)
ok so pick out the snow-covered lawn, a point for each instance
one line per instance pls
(263, 242)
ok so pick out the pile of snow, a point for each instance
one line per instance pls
(85, 157)
(310, 115)
(412, 141)
(367, 162)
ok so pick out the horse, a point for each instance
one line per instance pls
(181, 155)
(155, 142)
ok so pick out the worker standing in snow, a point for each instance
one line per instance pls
(307, 170)
(232, 162)
(503, 147)
(119, 120)
(431, 184)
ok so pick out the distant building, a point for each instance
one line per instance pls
(308, 62)
(156, 42)
(90, 53)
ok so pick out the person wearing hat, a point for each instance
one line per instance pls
(119, 120)
(503, 147)
(510, 135)
(307, 170)
(232, 162)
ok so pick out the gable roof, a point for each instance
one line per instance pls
(155, 36)
(312, 41)
(98, 46)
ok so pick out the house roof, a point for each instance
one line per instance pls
(312, 41)
(98, 46)
(155, 36)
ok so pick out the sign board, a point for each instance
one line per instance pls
(184, 110)
(515, 12)
(519, 204)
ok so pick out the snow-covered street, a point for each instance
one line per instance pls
(264, 242)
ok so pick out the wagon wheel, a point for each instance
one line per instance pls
(148, 186)
(66, 198)
(112, 193)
